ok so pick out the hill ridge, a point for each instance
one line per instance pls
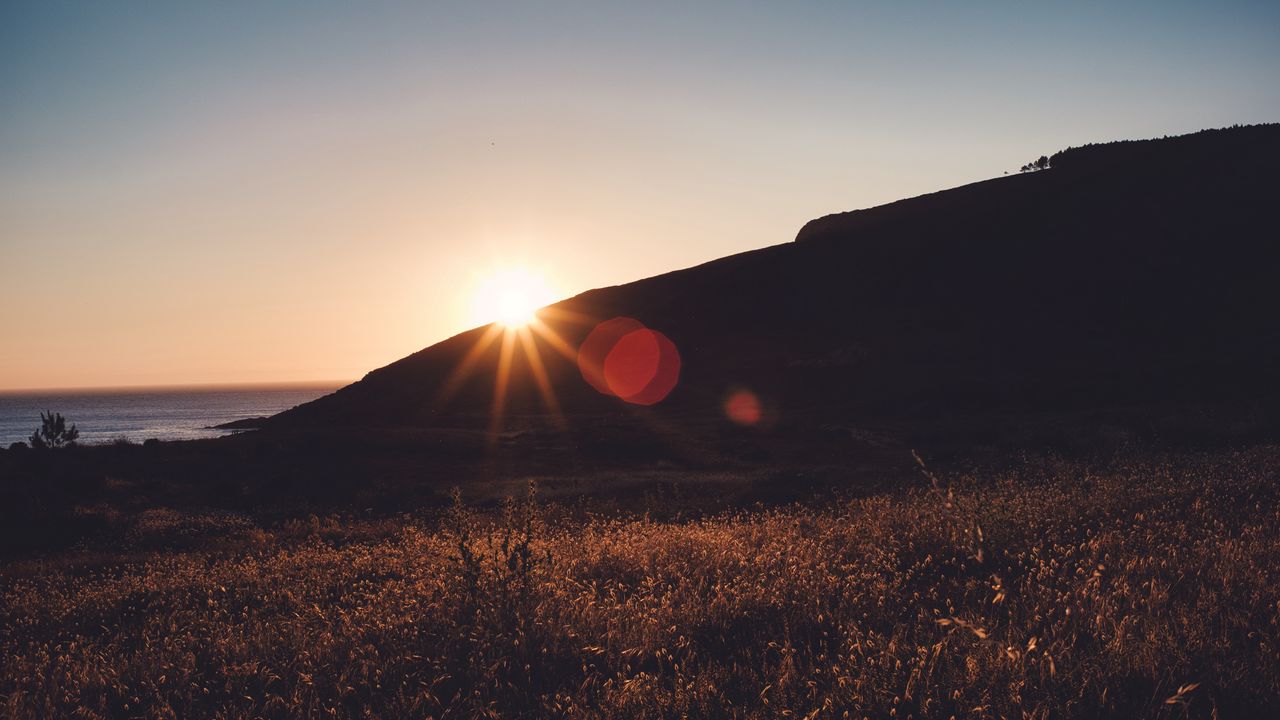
(1132, 271)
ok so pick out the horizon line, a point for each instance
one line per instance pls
(172, 387)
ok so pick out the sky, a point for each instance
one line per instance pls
(257, 192)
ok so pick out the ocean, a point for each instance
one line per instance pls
(104, 416)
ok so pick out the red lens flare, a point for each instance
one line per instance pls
(643, 367)
(743, 407)
(623, 358)
(594, 350)
(632, 363)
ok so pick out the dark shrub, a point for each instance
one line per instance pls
(53, 432)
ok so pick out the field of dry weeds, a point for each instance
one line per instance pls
(1145, 588)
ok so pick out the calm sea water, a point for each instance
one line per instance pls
(167, 414)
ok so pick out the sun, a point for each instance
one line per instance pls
(511, 297)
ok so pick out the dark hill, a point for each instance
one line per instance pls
(1127, 273)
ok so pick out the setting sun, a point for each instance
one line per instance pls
(511, 297)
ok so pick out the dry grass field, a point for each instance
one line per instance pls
(1139, 588)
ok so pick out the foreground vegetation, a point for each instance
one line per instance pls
(1145, 588)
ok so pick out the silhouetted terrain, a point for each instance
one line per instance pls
(1122, 298)
(1087, 356)
(1127, 273)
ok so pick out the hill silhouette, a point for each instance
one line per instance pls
(1126, 273)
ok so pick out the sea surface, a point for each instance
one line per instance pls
(104, 416)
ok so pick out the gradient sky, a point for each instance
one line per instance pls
(230, 192)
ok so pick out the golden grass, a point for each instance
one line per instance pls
(1149, 589)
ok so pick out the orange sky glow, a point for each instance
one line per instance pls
(206, 194)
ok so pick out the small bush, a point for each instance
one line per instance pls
(1041, 163)
(54, 433)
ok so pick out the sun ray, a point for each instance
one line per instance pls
(539, 371)
(460, 373)
(553, 339)
(526, 337)
(501, 381)
(571, 316)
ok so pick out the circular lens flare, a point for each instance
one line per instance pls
(596, 348)
(665, 375)
(632, 363)
(623, 358)
(743, 407)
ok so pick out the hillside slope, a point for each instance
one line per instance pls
(1130, 272)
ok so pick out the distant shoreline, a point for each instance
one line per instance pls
(166, 413)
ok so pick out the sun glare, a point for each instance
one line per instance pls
(511, 297)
